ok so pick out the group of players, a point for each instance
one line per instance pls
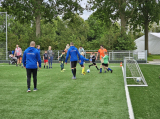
(73, 52)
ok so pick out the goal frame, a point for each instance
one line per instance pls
(139, 70)
(6, 35)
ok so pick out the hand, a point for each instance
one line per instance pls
(25, 67)
(49, 57)
(66, 63)
(39, 67)
(59, 61)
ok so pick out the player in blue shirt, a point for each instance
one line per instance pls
(30, 58)
(82, 58)
(73, 52)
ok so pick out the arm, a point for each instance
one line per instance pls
(78, 55)
(86, 59)
(43, 57)
(39, 59)
(24, 59)
(97, 55)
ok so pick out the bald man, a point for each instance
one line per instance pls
(30, 58)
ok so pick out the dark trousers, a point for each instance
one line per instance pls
(62, 66)
(34, 72)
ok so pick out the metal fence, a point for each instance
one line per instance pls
(115, 56)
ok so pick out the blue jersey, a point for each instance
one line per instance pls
(39, 50)
(30, 58)
(73, 52)
(82, 58)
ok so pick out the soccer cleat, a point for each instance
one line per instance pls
(35, 89)
(28, 90)
(84, 73)
(108, 70)
(64, 69)
(111, 71)
(97, 69)
(44, 66)
(104, 71)
(20, 65)
(100, 72)
(75, 78)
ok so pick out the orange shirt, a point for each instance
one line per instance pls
(101, 52)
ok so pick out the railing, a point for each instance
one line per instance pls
(115, 56)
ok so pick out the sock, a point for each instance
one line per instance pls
(82, 70)
(109, 69)
(100, 70)
(44, 66)
(96, 67)
(73, 72)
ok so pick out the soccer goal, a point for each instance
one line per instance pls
(132, 73)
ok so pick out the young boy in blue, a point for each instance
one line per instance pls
(82, 58)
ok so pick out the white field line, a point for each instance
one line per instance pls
(7, 65)
(130, 109)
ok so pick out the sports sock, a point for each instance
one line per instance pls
(73, 72)
(100, 70)
(82, 70)
(44, 66)
(96, 67)
(109, 69)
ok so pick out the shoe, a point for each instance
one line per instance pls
(28, 90)
(100, 72)
(97, 69)
(75, 78)
(64, 69)
(84, 73)
(89, 66)
(108, 70)
(111, 71)
(20, 65)
(35, 89)
(104, 71)
(49, 67)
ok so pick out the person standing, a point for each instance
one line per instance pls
(101, 51)
(73, 52)
(50, 55)
(81, 49)
(18, 53)
(67, 47)
(30, 58)
(62, 60)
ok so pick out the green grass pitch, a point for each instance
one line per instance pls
(93, 96)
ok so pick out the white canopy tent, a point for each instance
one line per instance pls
(153, 43)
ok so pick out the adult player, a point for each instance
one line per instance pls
(30, 58)
(73, 52)
(18, 53)
(101, 52)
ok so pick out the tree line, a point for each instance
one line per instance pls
(38, 20)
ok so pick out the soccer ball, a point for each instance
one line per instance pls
(88, 70)
(139, 79)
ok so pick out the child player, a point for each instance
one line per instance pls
(45, 58)
(82, 58)
(93, 61)
(62, 60)
(105, 63)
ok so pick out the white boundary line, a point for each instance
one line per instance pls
(7, 65)
(130, 109)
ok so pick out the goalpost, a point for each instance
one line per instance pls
(1, 14)
(132, 73)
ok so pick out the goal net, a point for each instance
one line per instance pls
(132, 73)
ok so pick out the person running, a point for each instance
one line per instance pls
(101, 51)
(91, 55)
(93, 61)
(38, 48)
(82, 58)
(73, 52)
(50, 55)
(30, 58)
(45, 58)
(62, 60)
(106, 63)
(18, 53)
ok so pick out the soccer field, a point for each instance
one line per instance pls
(93, 96)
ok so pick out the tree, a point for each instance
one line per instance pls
(146, 12)
(34, 10)
(114, 10)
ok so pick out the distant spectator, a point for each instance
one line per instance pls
(18, 53)
(50, 55)
(81, 49)
(67, 47)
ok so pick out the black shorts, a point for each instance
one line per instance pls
(18, 57)
(106, 65)
(93, 63)
(73, 64)
(81, 65)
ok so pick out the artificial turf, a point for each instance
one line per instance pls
(146, 100)
(93, 96)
